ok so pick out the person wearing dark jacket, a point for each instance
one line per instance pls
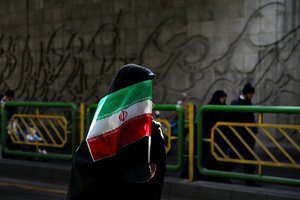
(245, 117)
(9, 96)
(209, 120)
(131, 171)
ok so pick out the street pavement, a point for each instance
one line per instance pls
(18, 189)
(34, 180)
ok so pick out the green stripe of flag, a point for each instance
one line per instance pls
(124, 98)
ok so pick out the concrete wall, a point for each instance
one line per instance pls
(69, 50)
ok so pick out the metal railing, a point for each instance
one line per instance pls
(258, 160)
(51, 129)
(62, 135)
(274, 161)
(54, 134)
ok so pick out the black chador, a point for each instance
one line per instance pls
(128, 174)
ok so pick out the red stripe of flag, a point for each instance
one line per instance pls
(108, 144)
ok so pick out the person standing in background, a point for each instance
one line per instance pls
(184, 103)
(9, 96)
(245, 99)
(209, 121)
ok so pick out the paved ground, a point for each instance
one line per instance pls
(18, 189)
(35, 180)
(174, 189)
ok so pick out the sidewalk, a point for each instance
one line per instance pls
(56, 177)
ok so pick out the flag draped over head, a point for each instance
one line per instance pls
(114, 159)
(122, 117)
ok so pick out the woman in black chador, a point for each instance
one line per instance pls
(209, 120)
(127, 174)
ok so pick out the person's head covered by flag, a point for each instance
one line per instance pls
(124, 115)
(116, 152)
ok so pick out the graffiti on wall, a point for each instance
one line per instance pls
(69, 66)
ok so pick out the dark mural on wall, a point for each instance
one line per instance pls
(70, 67)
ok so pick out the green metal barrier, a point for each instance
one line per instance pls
(74, 137)
(180, 156)
(235, 175)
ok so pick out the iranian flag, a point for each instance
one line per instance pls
(121, 118)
